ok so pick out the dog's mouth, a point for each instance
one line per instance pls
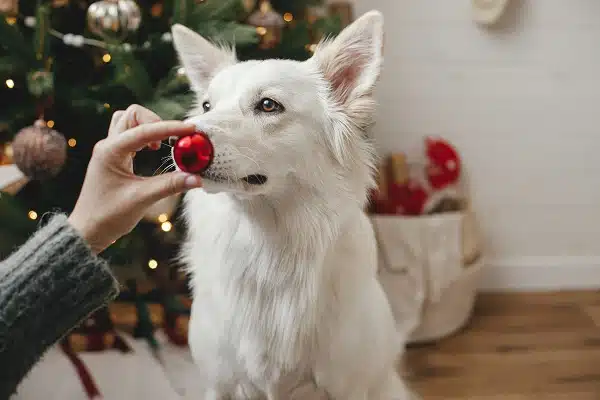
(255, 179)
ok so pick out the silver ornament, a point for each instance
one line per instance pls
(113, 19)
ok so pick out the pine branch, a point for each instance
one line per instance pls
(14, 43)
(132, 74)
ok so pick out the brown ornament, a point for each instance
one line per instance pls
(269, 25)
(39, 151)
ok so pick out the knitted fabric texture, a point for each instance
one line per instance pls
(47, 287)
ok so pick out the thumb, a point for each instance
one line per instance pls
(162, 186)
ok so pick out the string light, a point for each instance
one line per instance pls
(166, 226)
(261, 30)
(72, 142)
(11, 20)
(10, 83)
(32, 215)
(50, 124)
(106, 58)
(311, 47)
(163, 218)
(107, 106)
(152, 264)
(288, 17)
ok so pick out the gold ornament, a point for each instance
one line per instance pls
(9, 7)
(156, 10)
(113, 19)
(269, 25)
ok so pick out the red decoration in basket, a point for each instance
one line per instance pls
(409, 189)
(408, 198)
(444, 165)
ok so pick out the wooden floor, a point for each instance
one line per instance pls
(517, 346)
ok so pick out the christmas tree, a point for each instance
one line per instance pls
(67, 65)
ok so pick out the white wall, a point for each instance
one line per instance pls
(522, 104)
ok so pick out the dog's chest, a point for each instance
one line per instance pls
(250, 304)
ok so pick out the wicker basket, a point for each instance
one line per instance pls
(430, 268)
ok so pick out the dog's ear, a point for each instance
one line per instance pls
(351, 62)
(200, 58)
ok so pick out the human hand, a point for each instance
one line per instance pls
(113, 199)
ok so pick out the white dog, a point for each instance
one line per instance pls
(282, 257)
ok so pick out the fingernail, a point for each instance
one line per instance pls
(193, 181)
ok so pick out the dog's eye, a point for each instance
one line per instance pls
(269, 105)
(206, 106)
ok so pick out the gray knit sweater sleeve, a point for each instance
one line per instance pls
(47, 287)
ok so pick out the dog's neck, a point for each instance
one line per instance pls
(306, 217)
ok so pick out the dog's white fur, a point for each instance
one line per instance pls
(284, 273)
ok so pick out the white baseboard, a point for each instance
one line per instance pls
(541, 274)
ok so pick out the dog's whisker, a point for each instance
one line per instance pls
(165, 161)
(167, 168)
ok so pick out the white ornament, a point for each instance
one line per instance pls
(77, 41)
(126, 47)
(146, 45)
(29, 21)
(68, 39)
(166, 37)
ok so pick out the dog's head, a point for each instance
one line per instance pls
(279, 123)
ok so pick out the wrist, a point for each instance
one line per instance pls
(85, 229)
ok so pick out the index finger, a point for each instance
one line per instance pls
(134, 115)
(137, 138)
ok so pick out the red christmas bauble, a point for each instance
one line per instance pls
(444, 163)
(193, 153)
(408, 198)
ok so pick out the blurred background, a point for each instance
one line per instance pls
(486, 211)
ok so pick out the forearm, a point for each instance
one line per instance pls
(46, 288)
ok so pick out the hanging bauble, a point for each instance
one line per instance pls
(269, 25)
(9, 7)
(113, 19)
(39, 152)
